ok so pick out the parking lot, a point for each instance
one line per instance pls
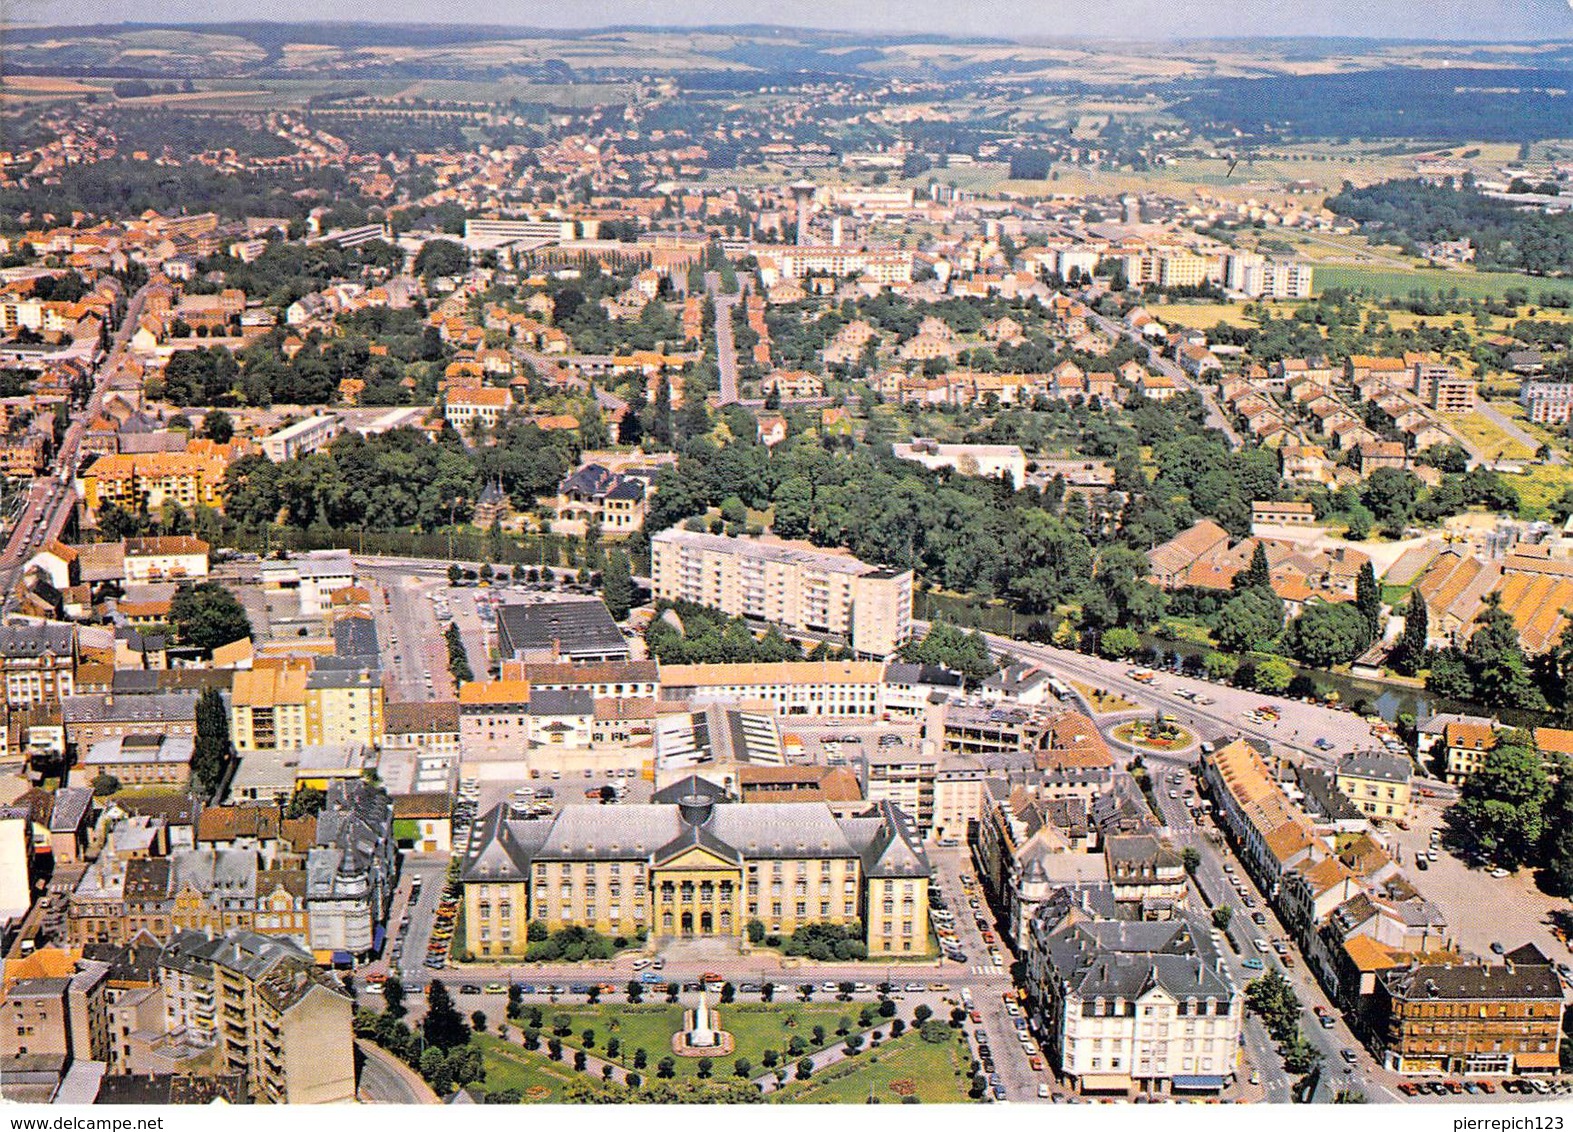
(1520, 912)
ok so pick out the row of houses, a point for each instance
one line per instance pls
(1384, 952)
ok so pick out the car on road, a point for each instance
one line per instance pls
(916, 988)
(1327, 1021)
(496, 988)
(1323, 745)
(977, 1018)
(829, 988)
(469, 988)
(1496, 873)
(1043, 1086)
(1261, 945)
(1348, 1055)
(999, 1092)
(1497, 948)
(524, 988)
(1421, 863)
(1252, 963)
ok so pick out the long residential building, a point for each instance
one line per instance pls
(696, 864)
(794, 585)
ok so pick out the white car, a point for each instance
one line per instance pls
(1261, 945)
(1498, 873)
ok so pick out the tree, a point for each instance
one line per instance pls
(1556, 852)
(1221, 917)
(805, 1069)
(393, 995)
(441, 257)
(307, 802)
(1119, 642)
(1503, 804)
(218, 427)
(104, 785)
(1410, 656)
(1327, 634)
(617, 585)
(1273, 676)
(1256, 576)
(1250, 621)
(206, 615)
(443, 1027)
(1220, 666)
(1191, 859)
(1368, 600)
(1496, 663)
(210, 751)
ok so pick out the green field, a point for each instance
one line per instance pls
(1470, 284)
(933, 1072)
(755, 1027)
(539, 1079)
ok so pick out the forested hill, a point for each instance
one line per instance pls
(1502, 105)
(1505, 236)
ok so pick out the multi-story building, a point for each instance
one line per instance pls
(314, 576)
(485, 405)
(904, 778)
(301, 438)
(302, 703)
(140, 760)
(248, 1003)
(53, 1006)
(1467, 1018)
(702, 865)
(90, 719)
(790, 584)
(38, 662)
(1547, 402)
(350, 870)
(842, 689)
(165, 558)
(151, 479)
(1468, 742)
(1378, 782)
(1122, 1007)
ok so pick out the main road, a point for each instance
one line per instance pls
(725, 345)
(50, 499)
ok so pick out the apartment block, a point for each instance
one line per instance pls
(1130, 1007)
(247, 1003)
(1471, 1018)
(1547, 402)
(790, 584)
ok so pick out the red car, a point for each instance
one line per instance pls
(977, 1019)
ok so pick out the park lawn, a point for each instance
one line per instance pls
(755, 1027)
(933, 1072)
(539, 1079)
(1490, 437)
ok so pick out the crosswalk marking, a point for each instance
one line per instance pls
(986, 969)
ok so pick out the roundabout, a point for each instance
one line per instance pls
(1163, 736)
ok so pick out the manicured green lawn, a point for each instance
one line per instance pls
(510, 1067)
(933, 1072)
(755, 1027)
